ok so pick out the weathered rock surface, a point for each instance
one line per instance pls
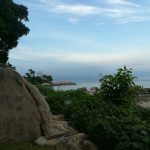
(25, 116)
(75, 141)
(20, 119)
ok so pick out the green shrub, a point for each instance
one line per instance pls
(142, 113)
(55, 99)
(110, 126)
(111, 119)
(117, 88)
(62, 101)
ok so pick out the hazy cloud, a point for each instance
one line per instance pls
(101, 58)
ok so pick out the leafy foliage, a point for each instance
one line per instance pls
(10, 65)
(61, 102)
(117, 88)
(3, 56)
(12, 28)
(112, 124)
(32, 78)
(48, 77)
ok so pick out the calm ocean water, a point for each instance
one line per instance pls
(88, 85)
(77, 86)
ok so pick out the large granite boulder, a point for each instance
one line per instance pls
(25, 116)
(20, 119)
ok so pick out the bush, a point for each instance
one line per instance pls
(111, 119)
(118, 88)
(55, 99)
(61, 102)
(110, 126)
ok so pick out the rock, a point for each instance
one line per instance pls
(75, 142)
(24, 113)
(94, 89)
(61, 83)
(25, 116)
(71, 142)
(59, 117)
(20, 118)
(41, 141)
(46, 84)
(84, 89)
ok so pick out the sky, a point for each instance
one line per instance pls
(79, 39)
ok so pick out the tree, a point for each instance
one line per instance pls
(34, 78)
(12, 27)
(32, 72)
(48, 77)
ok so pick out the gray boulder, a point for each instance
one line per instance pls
(20, 119)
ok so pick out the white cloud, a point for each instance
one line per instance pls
(116, 1)
(123, 2)
(74, 20)
(118, 11)
(77, 9)
(132, 19)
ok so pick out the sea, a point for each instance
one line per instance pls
(88, 85)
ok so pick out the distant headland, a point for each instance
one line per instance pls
(60, 83)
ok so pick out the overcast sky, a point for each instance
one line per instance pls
(78, 39)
